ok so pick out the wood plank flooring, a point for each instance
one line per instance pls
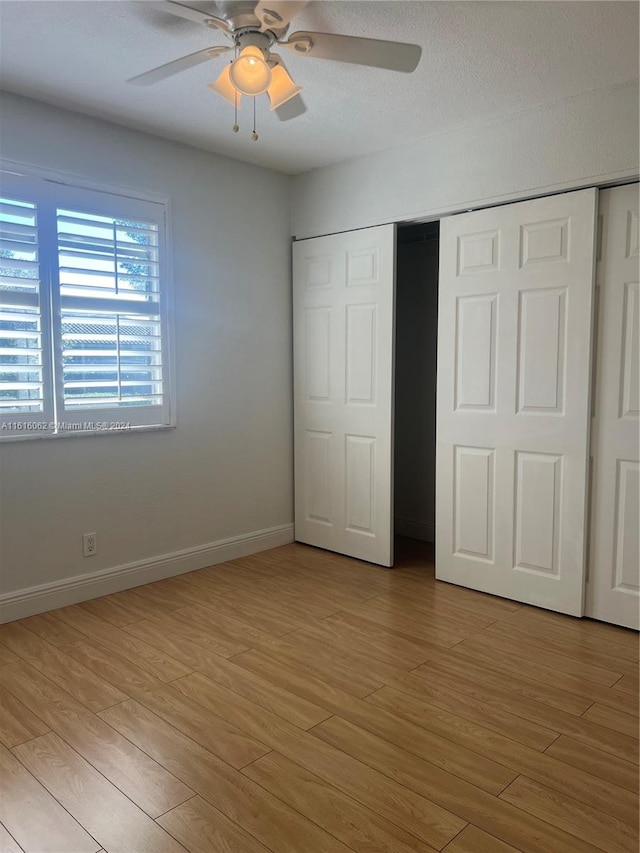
(297, 701)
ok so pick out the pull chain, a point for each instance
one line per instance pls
(236, 126)
(254, 135)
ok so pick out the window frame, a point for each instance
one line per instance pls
(51, 191)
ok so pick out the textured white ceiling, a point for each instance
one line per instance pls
(481, 61)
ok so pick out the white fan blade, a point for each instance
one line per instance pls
(393, 55)
(182, 11)
(291, 109)
(170, 68)
(277, 14)
(223, 87)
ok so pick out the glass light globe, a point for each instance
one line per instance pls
(249, 73)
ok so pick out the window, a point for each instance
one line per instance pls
(83, 320)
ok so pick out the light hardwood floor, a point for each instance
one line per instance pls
(297, 701)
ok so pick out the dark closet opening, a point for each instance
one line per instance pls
(415, 380)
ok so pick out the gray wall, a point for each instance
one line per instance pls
(581, 141)
(227, 468)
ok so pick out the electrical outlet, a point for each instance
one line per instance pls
(89, 544)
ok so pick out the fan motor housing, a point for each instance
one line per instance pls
(252, 36)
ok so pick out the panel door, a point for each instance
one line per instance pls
(514, 348)
(614, 556)
(343, 305)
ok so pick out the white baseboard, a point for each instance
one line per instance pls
(60, 593)
(414, 529)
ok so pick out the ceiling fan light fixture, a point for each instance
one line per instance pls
(249, 73)
(225, 88)
(282, 87)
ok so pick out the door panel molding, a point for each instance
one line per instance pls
(513, 399)
(344, 319)
(614, 554)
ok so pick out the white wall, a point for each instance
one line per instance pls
(582, 141)
(227, 469)
(415, 391)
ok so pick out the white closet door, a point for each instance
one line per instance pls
(612, 589)
(343, 306)
(514, 345)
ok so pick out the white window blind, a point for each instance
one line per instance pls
(83, 319)
(22, 381)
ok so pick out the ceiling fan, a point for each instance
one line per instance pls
(254, 28)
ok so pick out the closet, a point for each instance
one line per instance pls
(516, 474)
